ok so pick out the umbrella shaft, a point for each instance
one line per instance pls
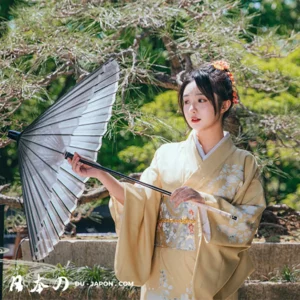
(97, 166)
(127, 177)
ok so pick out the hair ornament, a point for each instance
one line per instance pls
(221, 65)
(224, 66)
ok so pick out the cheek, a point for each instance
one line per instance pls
(185, 110)
(209, 110)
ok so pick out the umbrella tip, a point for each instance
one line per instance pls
(14, 135)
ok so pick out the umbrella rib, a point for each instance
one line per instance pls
(41, 200)
(61, 102)
(94, 123)
(45, 162)
(25, 172)
(27, 211)
(50, 201)
(62, 121)
(94, 85)
(62, 184)
(62, 134)
(31, 176)
(102, 88)
(45, 186)
(38, 173)
(61, 220)
(83, 149)
(65, 170)
(23, 139)
(88, 79)
(32, 233)
(47, 117)
(62, 200)
(91, 79)
(33, 219)
(38, 157)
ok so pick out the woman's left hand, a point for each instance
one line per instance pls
(184, 194)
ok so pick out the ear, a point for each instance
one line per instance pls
(225, 106)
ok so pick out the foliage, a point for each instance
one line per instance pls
(86, 276)
(270, 13)
(151, 39)
(292, 199)
(13, 271)
(15, 221)
(275, 134)
(286, 274)
(280, 103)
(160, 121)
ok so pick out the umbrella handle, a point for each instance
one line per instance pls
(98, 166)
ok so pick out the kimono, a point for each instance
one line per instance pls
(187, 252)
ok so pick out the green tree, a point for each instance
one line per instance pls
(281, 14)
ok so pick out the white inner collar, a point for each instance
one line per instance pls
(200, 149)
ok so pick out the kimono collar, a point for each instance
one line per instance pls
(200, 148)
(197, 169)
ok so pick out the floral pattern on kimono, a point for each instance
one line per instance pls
(173, 231)
(165, 295)
(229, 179)
(240, 231)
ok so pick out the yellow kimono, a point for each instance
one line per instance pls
(187, 252)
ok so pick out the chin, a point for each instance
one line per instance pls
(197, 126)
(201, 128)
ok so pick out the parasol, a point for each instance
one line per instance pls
(76, 122)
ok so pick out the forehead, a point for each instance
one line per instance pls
(191, 89)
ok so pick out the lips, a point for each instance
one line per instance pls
(195, 120)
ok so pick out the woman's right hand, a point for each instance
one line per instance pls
(113, 185)
(82, 169)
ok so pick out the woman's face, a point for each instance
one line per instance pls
(197, 109)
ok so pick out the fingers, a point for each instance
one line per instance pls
(178, 191)
(76, 165)
(179, 195)
(184, 194)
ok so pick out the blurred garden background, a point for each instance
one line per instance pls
(48, 46)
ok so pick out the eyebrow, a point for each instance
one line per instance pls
(198, 94)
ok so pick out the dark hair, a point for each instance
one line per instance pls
(209, 81)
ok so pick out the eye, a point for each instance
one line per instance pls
(186, 101)
(202, 100)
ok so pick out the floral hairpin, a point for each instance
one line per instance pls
(224, 66)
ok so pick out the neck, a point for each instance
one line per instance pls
(208, 139)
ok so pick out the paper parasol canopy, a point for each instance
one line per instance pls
(76, 122)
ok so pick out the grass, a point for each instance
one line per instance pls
(286, 274)
(89, 277)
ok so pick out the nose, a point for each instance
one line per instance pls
(192, 108)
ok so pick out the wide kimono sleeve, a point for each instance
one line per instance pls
(136, 225)
(247, 205)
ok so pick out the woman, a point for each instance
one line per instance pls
(168, 245)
